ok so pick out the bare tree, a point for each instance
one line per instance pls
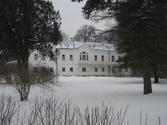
(53, 111)
(7, 110)
(86, 33)
(65, 37)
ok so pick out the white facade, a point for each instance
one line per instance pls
(82, 59)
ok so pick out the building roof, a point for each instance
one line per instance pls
(93, 45)
(12, 62)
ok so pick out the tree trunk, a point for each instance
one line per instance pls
(23, 86)
(155, 73)
(147, 79)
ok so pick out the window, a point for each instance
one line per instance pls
(71, 69)
(35, 56)
(63, 57)
(35, 69)
(96, 69)
(83, 69)
(112, 58)
(119, 57)
(43, 57)
(51, 58)
(63, 69)
(43, 69)
(103, 69)
(71, 57)
(95, 57)
(51, 69)
(84, 56)
(102, 58)
(126, 70)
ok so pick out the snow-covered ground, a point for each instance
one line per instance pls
(115, 91)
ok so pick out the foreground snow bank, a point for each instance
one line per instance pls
(93, 91)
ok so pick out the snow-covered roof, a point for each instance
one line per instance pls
(93, 45)
(12, 62)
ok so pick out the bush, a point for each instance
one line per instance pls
(22, 79)
(54, 111)
(7, 110)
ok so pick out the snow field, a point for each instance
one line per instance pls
(95, 91)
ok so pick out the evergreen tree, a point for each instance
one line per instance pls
(146, 23)
(26, 25)
(141, 28)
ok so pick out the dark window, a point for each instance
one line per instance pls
(43, 57)
(113, 58)
(96, 69)
(119, 57)
(83, 56)
(43, 69)
(83, 69)
(51, 59)
(63, 57)
(126, 70)
(71, 57)
(35, 56)
(103, 69)
(35, 69)
(102, 58)
(63, 69)
(95, 57)
(71, 69)
(51, 69)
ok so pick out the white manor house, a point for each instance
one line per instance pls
(81, 59)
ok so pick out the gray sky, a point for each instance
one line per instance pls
(71, 15)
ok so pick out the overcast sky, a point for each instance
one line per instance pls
(71, 14)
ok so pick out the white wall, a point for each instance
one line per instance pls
(90, 65)
(41, 63)
(77, 64)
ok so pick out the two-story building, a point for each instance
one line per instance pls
(82, 59)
